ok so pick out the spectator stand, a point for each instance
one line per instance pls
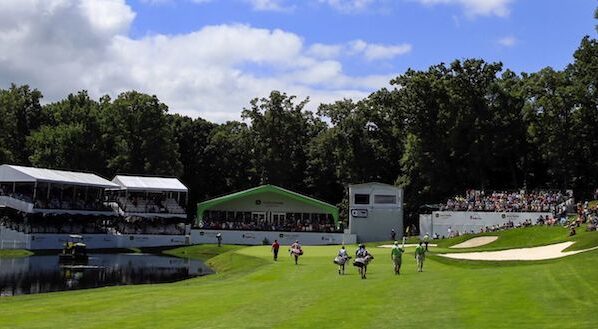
(149, 197)
(47, 191)
(265, 213)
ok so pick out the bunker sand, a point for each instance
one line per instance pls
(476, 242)
(552, 251)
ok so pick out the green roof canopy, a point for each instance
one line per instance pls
(328, 208)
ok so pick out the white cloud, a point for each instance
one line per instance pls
(321, 50)
(373, 52)
(62, 46)
(477, 7)
(349, 5)
(508, 41)
(369, 51)
(270, 5)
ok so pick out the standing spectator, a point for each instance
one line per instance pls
(426, 240)
(393, 235)
(219, 237)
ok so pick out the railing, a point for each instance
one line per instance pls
(17, 204)
(12, 244)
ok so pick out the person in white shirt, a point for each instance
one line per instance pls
(341, 259)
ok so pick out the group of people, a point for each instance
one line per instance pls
(290, 225)
(521, 201)
(362, 256)
(89, 224)
(587, 214)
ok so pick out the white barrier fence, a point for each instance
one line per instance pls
(467, 221)
(260, 237)
(13, 244)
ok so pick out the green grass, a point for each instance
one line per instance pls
(10, 253)
(251, 291)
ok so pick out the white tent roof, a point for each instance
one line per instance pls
(19, 174)
(149, 184)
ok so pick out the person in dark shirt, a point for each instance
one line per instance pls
(275, 247)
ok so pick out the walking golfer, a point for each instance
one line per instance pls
(396, 255)
(219, 237)
(420, 256)
(275, 247)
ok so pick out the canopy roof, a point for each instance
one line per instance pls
(19, 174)
(327, 207)
(149, 184)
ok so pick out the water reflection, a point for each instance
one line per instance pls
(38, 274)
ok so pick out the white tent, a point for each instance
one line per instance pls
(149, 184)
(19, 174)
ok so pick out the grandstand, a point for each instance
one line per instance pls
(39, 208)
(480, 211)
(269, 212)
(37, 190)
(150, 196)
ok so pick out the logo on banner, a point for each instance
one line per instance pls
(248, 236)
(359, 213)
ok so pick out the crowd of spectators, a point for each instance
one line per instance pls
(54, 201)
(57, 224)
(586, 214)
(17, 195)
(521, 201)
(68, 203)
(150, 204)
(299, 225)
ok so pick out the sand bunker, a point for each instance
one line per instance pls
(475, 242)
(536, 253)
(406, 245)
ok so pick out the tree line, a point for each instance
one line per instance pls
(435, 132)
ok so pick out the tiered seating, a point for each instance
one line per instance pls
(140, 205)
(173, 207)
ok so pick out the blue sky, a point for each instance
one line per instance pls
(543, 32)
(209, 58)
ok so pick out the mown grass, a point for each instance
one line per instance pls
(252, 291)
(13, 253)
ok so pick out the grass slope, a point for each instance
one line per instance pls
(13, 253)
(252, 291)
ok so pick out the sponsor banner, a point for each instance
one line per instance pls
(468, 221)
(359, 213)
(260, 237)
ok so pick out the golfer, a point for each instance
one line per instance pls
(420, 256)
(275, 247)
(362, 258)
(296, 250)
(341, 259)
(396, 254)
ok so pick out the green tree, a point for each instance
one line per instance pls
(280, 131)
(229, 154)
(192, 138)
(584, 79)
(71, 137)
(21, 114)
(138, 135)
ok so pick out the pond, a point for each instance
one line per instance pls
(39, 274)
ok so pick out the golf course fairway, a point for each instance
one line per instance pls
(252, 291)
